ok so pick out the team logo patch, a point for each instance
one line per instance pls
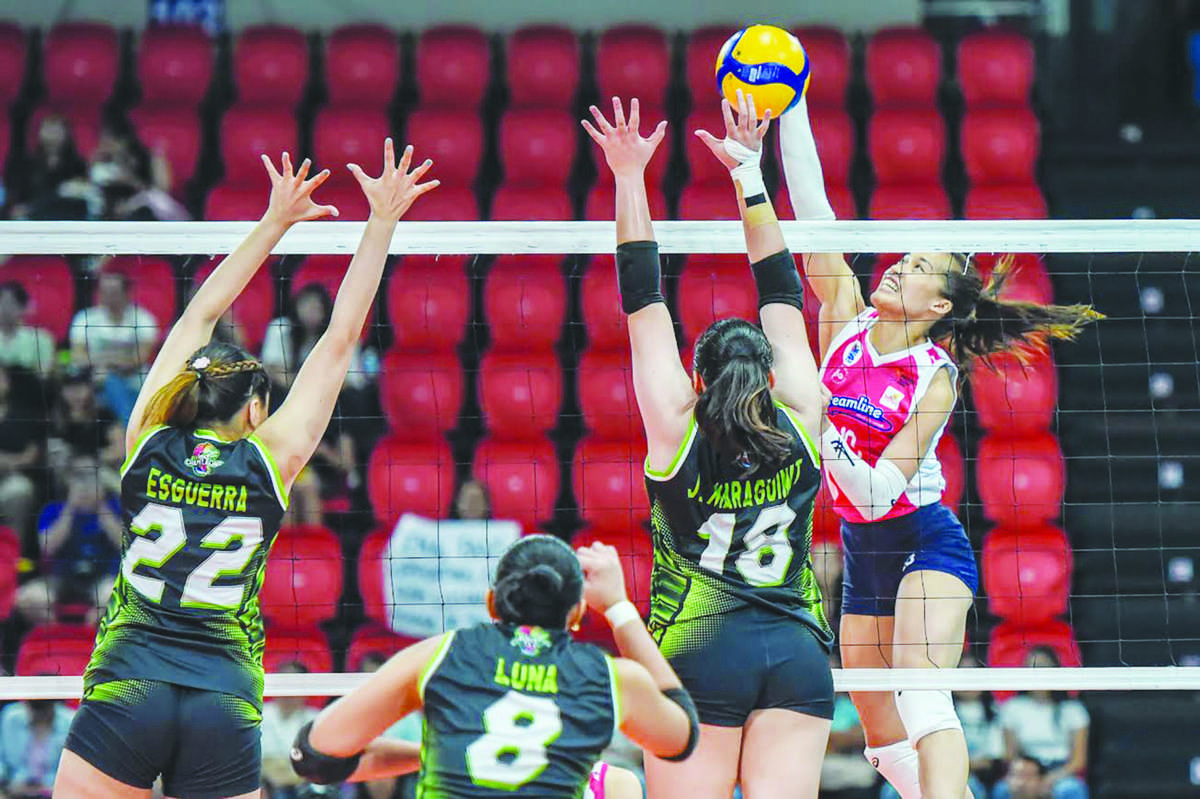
(205, 459)
(531, 640)
(853, 353)
(891, 399)
(838, 375)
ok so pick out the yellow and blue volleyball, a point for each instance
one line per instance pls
(767, 63)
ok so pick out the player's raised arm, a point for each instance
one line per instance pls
(780, 292)
(664, 391)
(293, 432)
(291, 202)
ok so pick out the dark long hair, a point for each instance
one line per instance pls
(538, 581)
(735, 411)
(298, 332)
(980, 324)
(217, 381)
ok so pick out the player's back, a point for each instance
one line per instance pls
(514, 711)
(200, 515)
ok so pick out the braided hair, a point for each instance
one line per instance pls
(538, 581)
(215, 384)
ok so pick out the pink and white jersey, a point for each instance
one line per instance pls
(873, 397)
(595, 788)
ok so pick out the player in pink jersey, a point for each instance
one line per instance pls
(892, 371)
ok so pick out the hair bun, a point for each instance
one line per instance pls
(546, 577)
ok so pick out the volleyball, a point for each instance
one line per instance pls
(766, 63)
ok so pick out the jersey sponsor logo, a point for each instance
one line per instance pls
(891, 399)
(909, 560)
(205, 459)
(838, 375)
(531, 640)
(853, 353)
(862, 409)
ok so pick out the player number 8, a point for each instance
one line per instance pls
(513, 752)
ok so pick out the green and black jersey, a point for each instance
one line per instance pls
(200, 516)
(723, 542)
(514, 711)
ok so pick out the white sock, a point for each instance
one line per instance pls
(802, 166)
(898, 764)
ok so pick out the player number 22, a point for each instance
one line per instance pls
(200, 589)
(768, 551)
(513, 752)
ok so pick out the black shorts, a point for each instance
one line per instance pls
(205, 744)
(753, 659)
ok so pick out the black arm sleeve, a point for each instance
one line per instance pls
(778, 281)
(638, 274)
(317, 767)
(682, 698)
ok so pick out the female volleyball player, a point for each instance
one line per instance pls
(892, 368)
(175, 684)
(731, 472)
(514, 707)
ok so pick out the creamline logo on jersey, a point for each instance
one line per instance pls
(861, 408)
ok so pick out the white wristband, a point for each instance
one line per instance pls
(748, 172)
(621, 614)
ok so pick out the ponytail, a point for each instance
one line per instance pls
(735, 412)
(980, 324)
(217, 381)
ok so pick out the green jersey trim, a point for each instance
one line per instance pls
(813, 451)
(276, 478)
(614, 686)
(137, 448)
(673, 469)
(433, 664)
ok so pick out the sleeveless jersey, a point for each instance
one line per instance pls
(722, 542)
(200, 515)
(873, 398)
(514, 711)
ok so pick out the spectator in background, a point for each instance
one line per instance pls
(80, 548)
(79, 425)
(32, 734)
(406, 729)
(472, 502)
(981, 728)
(282, 719)
(132, 184)
(20, 450)
(48, 183)
(114, 338)
(845, 773)
(1052, 730)
(1026, 779)
(23, 346)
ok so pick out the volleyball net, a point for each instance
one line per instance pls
(492, 397)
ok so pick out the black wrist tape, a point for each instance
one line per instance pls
(682, 698)
(318, 767)
(638, 274)
(778, 281)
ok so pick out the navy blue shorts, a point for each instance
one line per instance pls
(204, 744)
(877, 555)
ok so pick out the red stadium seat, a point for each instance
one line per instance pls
(14, 50)
(714, 287)
(827, 525)
(453, 139)
(5, 142)
(537, 147)
(634, 61)
(700, 65)
(304, 645)
(543, 67)
(1015, 399)
(81, 61)
(602, 202)
(350, 135)
(637, 558)
(1011, 642)
(520, 393)
(174, 65)
(703, 167)
(10, 554)
(1000, 145)
(609, 483)
(343, 193)
(56, 649)
(447, 204)
(453, 66)
(1005, 202)
(525, 302)
(83, 120)
(403, 477)
(421, 393)
(954, 469)
(904, 67)
(531, 204)
(907, 146)
(48, 281)
(362, 66)
(255, 308)
(374, 639)
(522, 478)
(829, 53)
(1027, 573)
(1027, 279)
(607, 326)
(833, 131)
(429, 302)
(372, 559)
(233, 203)
(995, 66)
(928, 201)
(152, 285)
(840, 198)
(303, 579)
(270, 66)
(247, 132)
(708, 202)
(1020, 480)
(175, 132)
(606, 396)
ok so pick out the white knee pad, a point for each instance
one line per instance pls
(926, 712)
(898, 764)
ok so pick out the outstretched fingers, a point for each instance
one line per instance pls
(727, 115)
(421, 169)
(635, 116)
(287, 165)
(618, 113)
(596, 135)
(660, 131)
(271, 170)
(601, 121)
(405, 160)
